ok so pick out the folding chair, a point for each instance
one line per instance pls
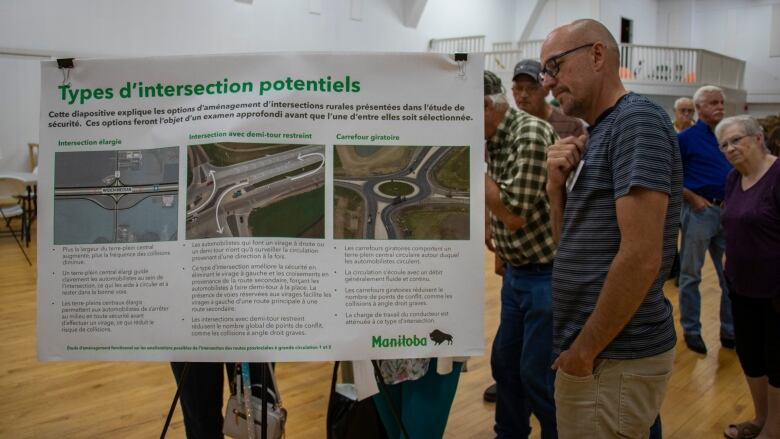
(13, 204)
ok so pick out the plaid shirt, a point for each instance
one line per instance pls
(517, 156)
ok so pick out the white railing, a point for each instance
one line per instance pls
(470, 44)
(677, 65)
(504, 45)
(506, 59)
(643, 64)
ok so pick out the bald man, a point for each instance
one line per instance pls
(615, 205)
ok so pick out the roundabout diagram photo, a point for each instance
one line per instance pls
(401, 192)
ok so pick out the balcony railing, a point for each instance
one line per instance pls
(638, 63)
(470, 44)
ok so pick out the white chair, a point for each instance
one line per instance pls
(13, 193)
(33, 150)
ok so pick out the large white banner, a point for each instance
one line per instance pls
(274, 207)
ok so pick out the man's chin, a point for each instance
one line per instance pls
(566, 106)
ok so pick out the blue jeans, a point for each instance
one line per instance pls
(656, 430)
(702, 231)
(522, 353)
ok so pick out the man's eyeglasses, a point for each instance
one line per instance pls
(731, 142)
(526, 88)
(686, 110)
(552, 66)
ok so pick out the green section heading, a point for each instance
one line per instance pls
(140, 90)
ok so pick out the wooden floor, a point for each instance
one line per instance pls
(131, 399)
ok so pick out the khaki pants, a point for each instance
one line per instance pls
(620, 400)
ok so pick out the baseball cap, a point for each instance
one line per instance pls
(492, 84)
(530, 67)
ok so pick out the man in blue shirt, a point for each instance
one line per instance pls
(704, 178)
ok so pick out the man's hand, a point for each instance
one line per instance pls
(489, 233)
(574, 364)
(698, 203)
(562, 158)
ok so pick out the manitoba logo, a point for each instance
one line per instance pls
(439, 337)
(377, 341)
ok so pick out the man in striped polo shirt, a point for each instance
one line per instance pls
(616, 219)
(519, 225)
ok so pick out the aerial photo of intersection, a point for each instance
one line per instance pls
(116, 196)
(401, 192)
(253, 189)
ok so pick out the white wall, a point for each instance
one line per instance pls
(740, 29)
(460, 18)
(609, 12)
(559, 12)
(118, 28)
(673, 23)
(642, 12)
(122, 28)
(19, 103)
(151, 27)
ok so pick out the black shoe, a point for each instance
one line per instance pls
(490, 393)
(728, 342)
(695, 343)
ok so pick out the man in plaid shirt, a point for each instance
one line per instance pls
(520, 232)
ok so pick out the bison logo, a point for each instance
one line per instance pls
(439, 337)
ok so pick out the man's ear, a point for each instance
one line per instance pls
(599, 55)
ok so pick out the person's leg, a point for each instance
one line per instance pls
(575, 405)
(656, 431)
(772, 349)
(427, 401)
(512, 411)
(716, 248)
(695, 241)
(630, 394)
(771, 428)
(758, 392)
(391, 395)
(537, 376)
(749, 333)
(201, 399)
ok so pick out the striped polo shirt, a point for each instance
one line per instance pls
(631, 144)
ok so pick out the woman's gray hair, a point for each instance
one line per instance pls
(749, 125)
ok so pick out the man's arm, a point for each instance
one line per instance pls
(497, 207)
(562, 158)
(557, 198)
(641, 216)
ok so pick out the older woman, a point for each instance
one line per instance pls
(751, 221)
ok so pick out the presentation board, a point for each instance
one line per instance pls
(261, 207)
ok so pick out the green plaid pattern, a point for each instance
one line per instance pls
(517, 156)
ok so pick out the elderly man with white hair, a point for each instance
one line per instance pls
(704, 178)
